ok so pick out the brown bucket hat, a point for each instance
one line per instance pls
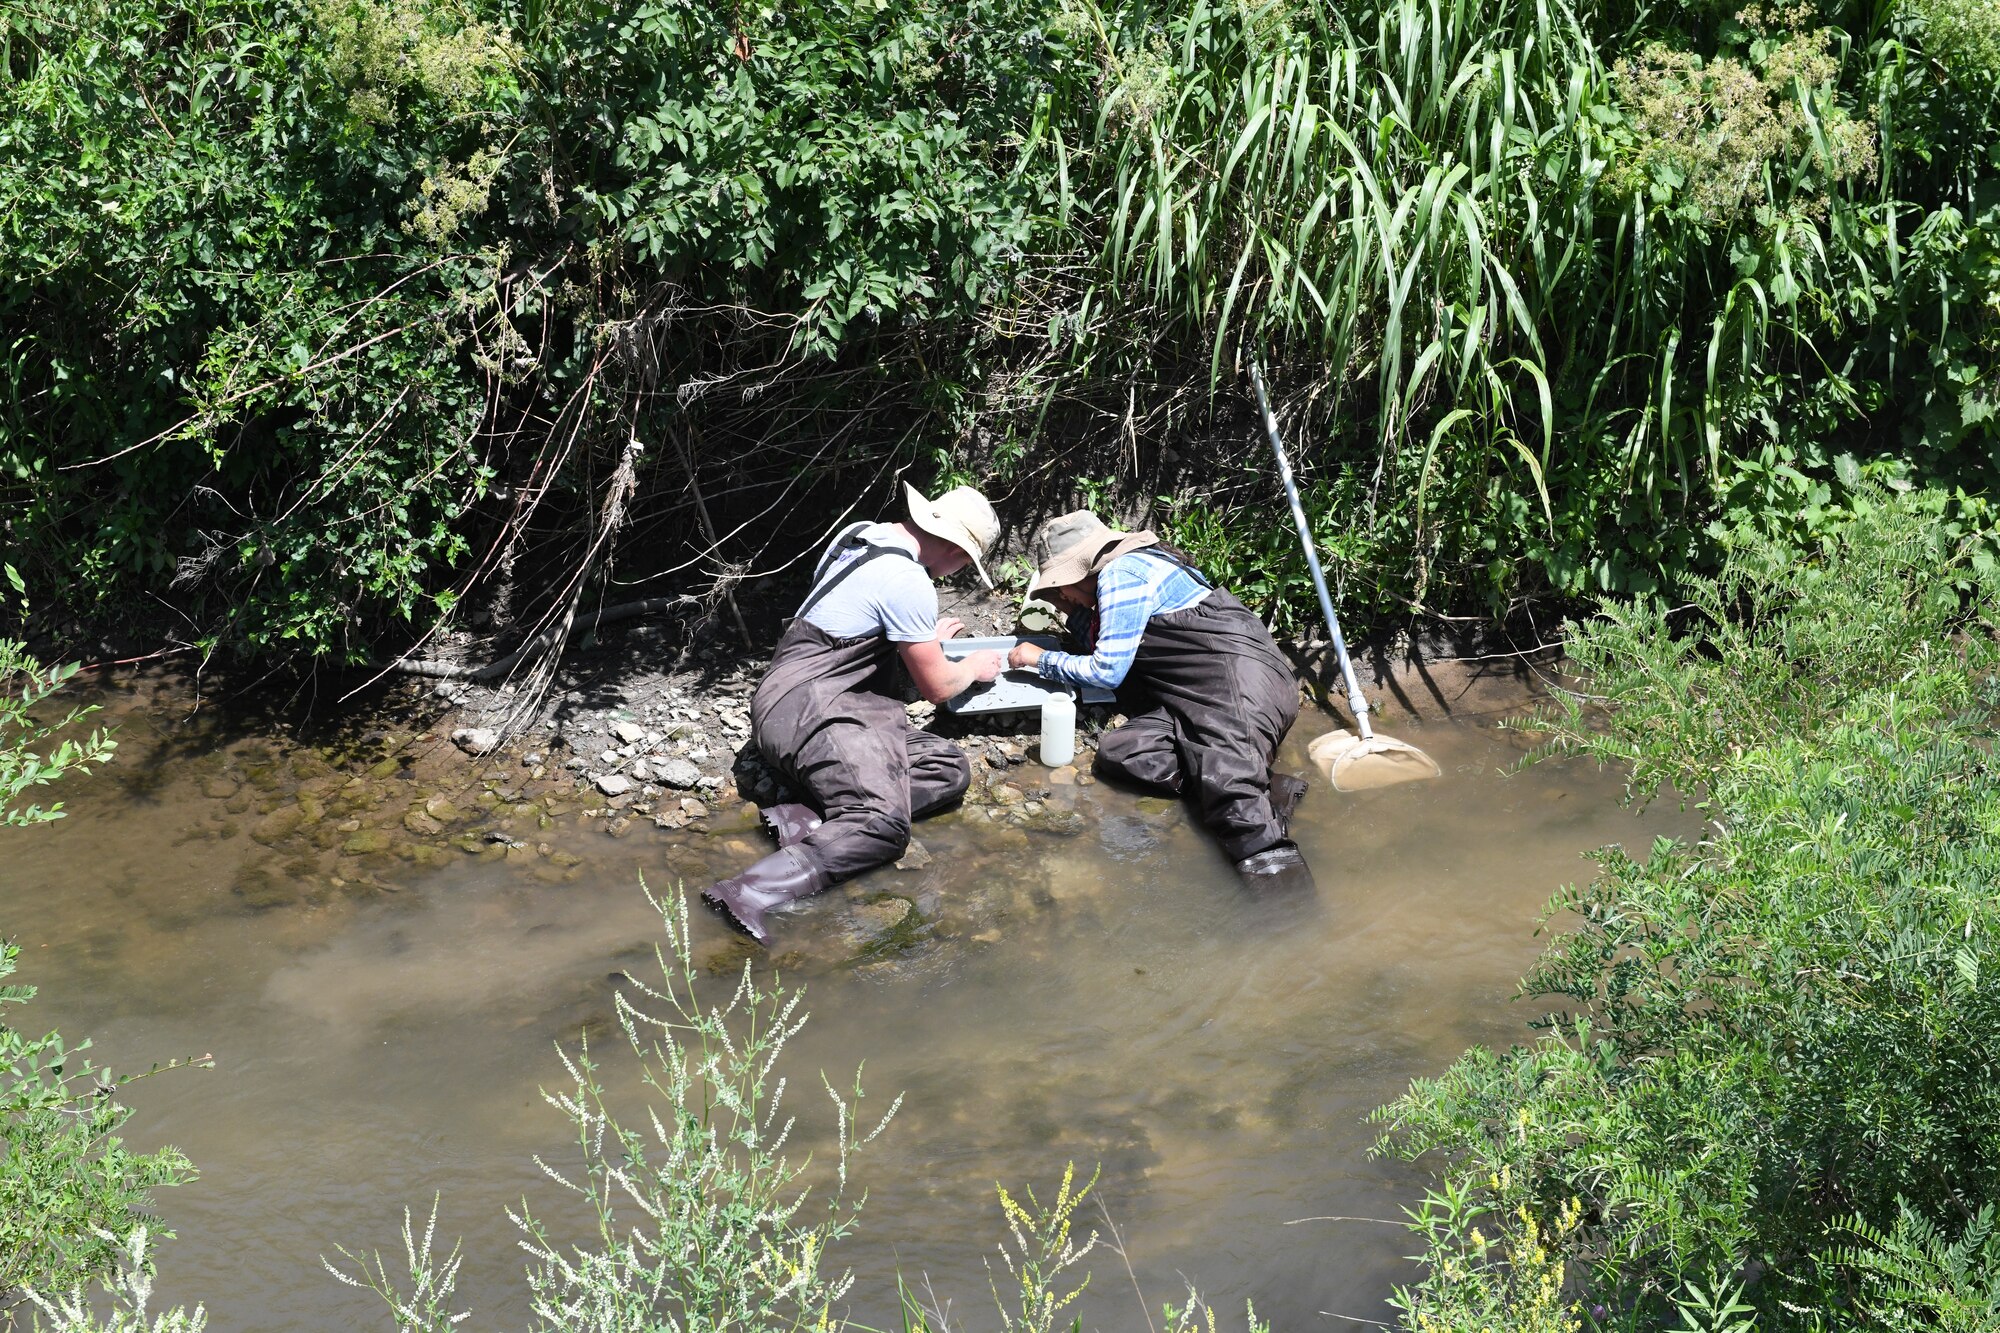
(1077, 545)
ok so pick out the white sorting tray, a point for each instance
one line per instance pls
(1018, 689)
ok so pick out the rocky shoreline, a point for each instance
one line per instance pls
(672, 743)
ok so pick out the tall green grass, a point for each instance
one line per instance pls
(1548, 286)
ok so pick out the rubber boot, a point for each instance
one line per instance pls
(789, 823)
(784, 876)
(1277, 870)
(1286, 792)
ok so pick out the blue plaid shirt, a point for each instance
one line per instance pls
(1130, 591)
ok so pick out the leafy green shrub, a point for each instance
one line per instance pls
(1919, 1275)
(321, 313)
(1773, 1040)
(72, 1196)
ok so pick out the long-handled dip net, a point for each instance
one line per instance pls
(1356, 760)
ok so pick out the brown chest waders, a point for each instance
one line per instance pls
(827, 716)
(1223, 697)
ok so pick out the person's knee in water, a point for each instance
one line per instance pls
(829, 715)
(1225, 694)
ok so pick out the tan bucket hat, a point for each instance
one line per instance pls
(1076, 545)
(961, 516)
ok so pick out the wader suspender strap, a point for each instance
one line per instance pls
(852, 537)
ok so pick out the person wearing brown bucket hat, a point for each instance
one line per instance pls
(1211, 694)
(829, 712)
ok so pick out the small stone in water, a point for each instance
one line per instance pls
(881, 917)
(1064, 776)
(367, 842)
(476, 740)
(693, 809)
(916, 858)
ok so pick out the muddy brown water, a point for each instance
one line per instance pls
(382, 998)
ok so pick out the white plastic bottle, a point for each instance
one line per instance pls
(1058, 729)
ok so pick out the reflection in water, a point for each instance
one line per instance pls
(382, 1026)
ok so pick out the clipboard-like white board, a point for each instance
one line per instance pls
(1016, 690)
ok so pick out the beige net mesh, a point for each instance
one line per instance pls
(1353, 764)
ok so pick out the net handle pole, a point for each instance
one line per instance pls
(1355, 702)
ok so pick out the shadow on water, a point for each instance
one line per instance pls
(381, 950)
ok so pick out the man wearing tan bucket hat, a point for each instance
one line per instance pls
(1215, 696)
(829, 712)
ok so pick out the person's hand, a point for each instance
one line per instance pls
(985, 664)
(1024, 655)
(950, 627)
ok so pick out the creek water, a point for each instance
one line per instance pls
(382, 1017)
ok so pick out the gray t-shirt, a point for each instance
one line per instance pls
(889, 596)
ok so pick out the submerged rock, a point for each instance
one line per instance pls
(878, 918)
(366, 842)
(277, 826)
(262, 887)
(476, 740)
(1127, 836)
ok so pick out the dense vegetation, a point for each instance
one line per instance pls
(1766, 1095)
(72, 1195)
(322, 314)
